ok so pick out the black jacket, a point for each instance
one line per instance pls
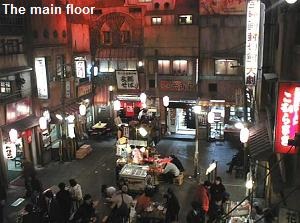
(84, 213)
(177, 163)
(195, 216)
(64, 200)
(217, 192)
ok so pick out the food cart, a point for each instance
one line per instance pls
(134, 176)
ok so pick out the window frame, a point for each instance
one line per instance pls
(107, 40)
(162, 70)
(154, 20)
(226, 61)
(186, 17)
(3, 85)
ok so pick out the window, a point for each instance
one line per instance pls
(156, 20)
(156, 5)
(106, 37)
(125, 37)
(164, 67)
(112, 65)
(226, 67)
(167, 5)
(12, 46)
(135, 10)
(5, 87)
(180, 67)
(151, 83)
(145, 0)
(185, 19)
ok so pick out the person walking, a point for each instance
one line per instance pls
(172, 206)
(64, 200)
(76, 194)
(203, 196)
(196, 215)
(2, 201)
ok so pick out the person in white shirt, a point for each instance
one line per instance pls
(170, 171)
(76, 194)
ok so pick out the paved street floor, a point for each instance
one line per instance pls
(99, 168)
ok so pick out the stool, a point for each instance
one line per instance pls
(178, 180)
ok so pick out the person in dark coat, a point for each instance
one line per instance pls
(86, 211)
(30, 216)
(2, 201)
(172, 206)
(28, 173)
(196, 215)
(53, 209)
(237, 160)
(217, 190)
(64, 200)
(177, 163)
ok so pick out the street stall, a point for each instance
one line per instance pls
(238, 214)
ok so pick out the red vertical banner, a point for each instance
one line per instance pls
(287, 116)
(129, 109)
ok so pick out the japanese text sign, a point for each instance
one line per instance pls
(252, 41)
(287, 117)
(9, 151)
(127, 79)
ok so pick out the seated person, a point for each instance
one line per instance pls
(177, 163)
(170, 171)
(143, 201)
(237, 160)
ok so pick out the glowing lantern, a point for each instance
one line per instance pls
(117, 105)
(82, 110)
(211, 117)
(43, 123)
(13, 135)
(166, 101)
(244, 135)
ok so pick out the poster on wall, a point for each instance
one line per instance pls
(41, 77)
(287, 116)
(223, 7)
(80, 68)
(127, 79)
(252, 42)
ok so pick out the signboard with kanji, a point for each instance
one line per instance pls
(176, 85)
(252, 42)
(287, 116)
(127, 79)
(222, 7)
(9, 151)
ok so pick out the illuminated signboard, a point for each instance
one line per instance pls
(287, 117)
(80, 68)
(252, 42)
(41, 77)
(9, 151)
(127, 79)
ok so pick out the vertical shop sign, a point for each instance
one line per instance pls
(80, 68)
(287, 116)
(9, 151)
(129, 109)
(252, 42)
(41, 77)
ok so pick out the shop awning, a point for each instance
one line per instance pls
(14, 70)
(22, 125)
(117, 53)
(69, 109)
(259, 142)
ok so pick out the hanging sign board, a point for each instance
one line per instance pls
(9, 151)
(41, 77)
(127, 79)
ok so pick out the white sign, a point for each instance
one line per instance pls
(252, 42)
(80, 68)
(9, 151)
(41, 77)
(127, 79)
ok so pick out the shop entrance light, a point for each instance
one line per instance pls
(43, 123)
(239, 125)
(13, 135)
(291, 1)
(143, 131)
(82, 109)
(244, 135)
(211, 117)
(117, 105)
(166, 101)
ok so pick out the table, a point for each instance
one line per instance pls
(100, 125)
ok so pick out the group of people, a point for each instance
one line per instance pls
(67, 205)
(208, 205)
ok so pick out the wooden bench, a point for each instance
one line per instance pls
(83, 151)
(178, 180)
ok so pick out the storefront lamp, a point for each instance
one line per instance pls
(244, 135)
(211, 117)
(239, 125)
(140, 63)
(249, 184)
(13, 135)
(291, 1)
(110, 88)
(43, 123)
(117, 105)
(143, 131)
(59, 117)
(197, 109)
(166, 101)
(143, 98)
(46, 114)
(71, 118)
(82, 109)
(96, 69)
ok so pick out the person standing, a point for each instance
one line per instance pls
(2, 201)
(196, 215)
(86, 211)
(172, 206)
(76, 194)
(217, 190)
(203, 196)
(64, 200)
(53, 209)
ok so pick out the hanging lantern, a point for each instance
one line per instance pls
(290, 1)
(211, 117)
(43, 123)
(143, 98)
(46, 114)
(244, 135)
(82, 110)
(71, 118)
(71, 132)
(166, 101)
(117, 105)
(13, 135)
